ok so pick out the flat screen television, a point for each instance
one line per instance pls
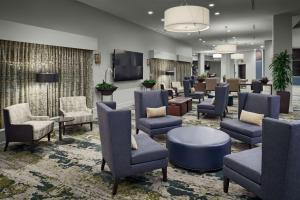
(127, 65)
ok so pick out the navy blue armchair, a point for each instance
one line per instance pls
(271, 171)
(189, 93)
(153, 126)
(115, 136)
(259, 103)
(218, 106)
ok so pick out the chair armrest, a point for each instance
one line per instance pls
(40, 118)
(19, 133)
(62, 112)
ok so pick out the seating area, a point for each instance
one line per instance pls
(150, 100)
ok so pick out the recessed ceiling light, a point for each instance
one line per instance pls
(203, 41)
(228, 31)
(150, 12)
(217, 13)
(200, 39)
(262, 46)
(211, 5)
(162, 19)
(233, 37)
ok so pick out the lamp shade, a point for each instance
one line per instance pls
(170, 73)
(46, 77)
(226, 48)
(237, 56)
(186, 19)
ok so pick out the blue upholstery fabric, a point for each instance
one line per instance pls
(268, 105)
(115, 136)
(148, 150)
(207, 105)
(246, 129)
(153, 126)
(271, 172)
(247, 163)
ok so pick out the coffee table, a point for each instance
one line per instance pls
(179, 106)
(198, 148)
(61, 122)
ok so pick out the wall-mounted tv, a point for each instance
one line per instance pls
(127, 65)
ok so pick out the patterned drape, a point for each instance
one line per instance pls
(19, 64)
(158, 68)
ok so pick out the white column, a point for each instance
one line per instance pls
(225, 66)
(201, 63)
(268, 56)
(282, 38)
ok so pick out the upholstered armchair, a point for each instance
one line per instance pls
(176, 85)
(234, 84)
(22, 126)
(211, 83)
(271, 171)
(258, 103)
(188, 91)
(256, 86)
(153, 126)
(115, 136)
(216, 107)
(76, 107)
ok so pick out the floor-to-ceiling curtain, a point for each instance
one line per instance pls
(19, 64)
(158, 68)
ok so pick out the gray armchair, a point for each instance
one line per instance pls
(189, 93)
(115, 136)
(153, 126)
(22, 126)
(217, 107)
(271, 171)
(258, 103)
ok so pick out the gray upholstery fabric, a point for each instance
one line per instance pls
(115, 136)
(247, 163)
(188, 93)
(268, 105)
(148, 150)
(40, 128)
(153, 99)
(246, 129)
(272, 171)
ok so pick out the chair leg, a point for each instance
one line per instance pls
(137, 131)
(221, 117)
(49, 135)
(165, 174)
(6, 145)
(251, 146)
(103, 164)
(226, 184)
(198, 115)
(91, 125)
(115, 186)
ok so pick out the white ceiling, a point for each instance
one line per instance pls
(238, 15)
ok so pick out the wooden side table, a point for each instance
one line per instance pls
(61, 122)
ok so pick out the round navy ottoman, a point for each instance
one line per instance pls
(198, 148)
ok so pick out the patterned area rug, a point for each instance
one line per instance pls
(71, 170)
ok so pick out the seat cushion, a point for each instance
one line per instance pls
(40, 128)
(148, 150)
(160, 122)
(244, 128)
(79, 117)
(247, 163)
(207, 105)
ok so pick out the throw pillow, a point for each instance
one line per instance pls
(133, 143)
(156, 112)
(251, 117)
(193, 90)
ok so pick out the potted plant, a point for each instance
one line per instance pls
(264, 80)
(106, 88)
(282, 77)
(201, 78)
(149, 83)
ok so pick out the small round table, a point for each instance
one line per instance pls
(198, 148)
(61, 122)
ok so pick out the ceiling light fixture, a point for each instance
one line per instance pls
(217, 55)
(226, 48)
(262, 46)
(150, 12)
(237, 56)
(211, 5)
(217, 13)
(186, 19)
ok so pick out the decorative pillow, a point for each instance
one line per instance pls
(156, 112)
(251, 117)
(134, 145)
(193, 90)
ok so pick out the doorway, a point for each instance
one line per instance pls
(242, 71)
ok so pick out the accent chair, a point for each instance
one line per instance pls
(176, 85)
(256, 86)
(259, 103)
(211, 83)
(234, 84)
(76, 107)
(153, 126)
(271, 171)
(217, 106)
(115, 136)
(189, 93)
(22, 126)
